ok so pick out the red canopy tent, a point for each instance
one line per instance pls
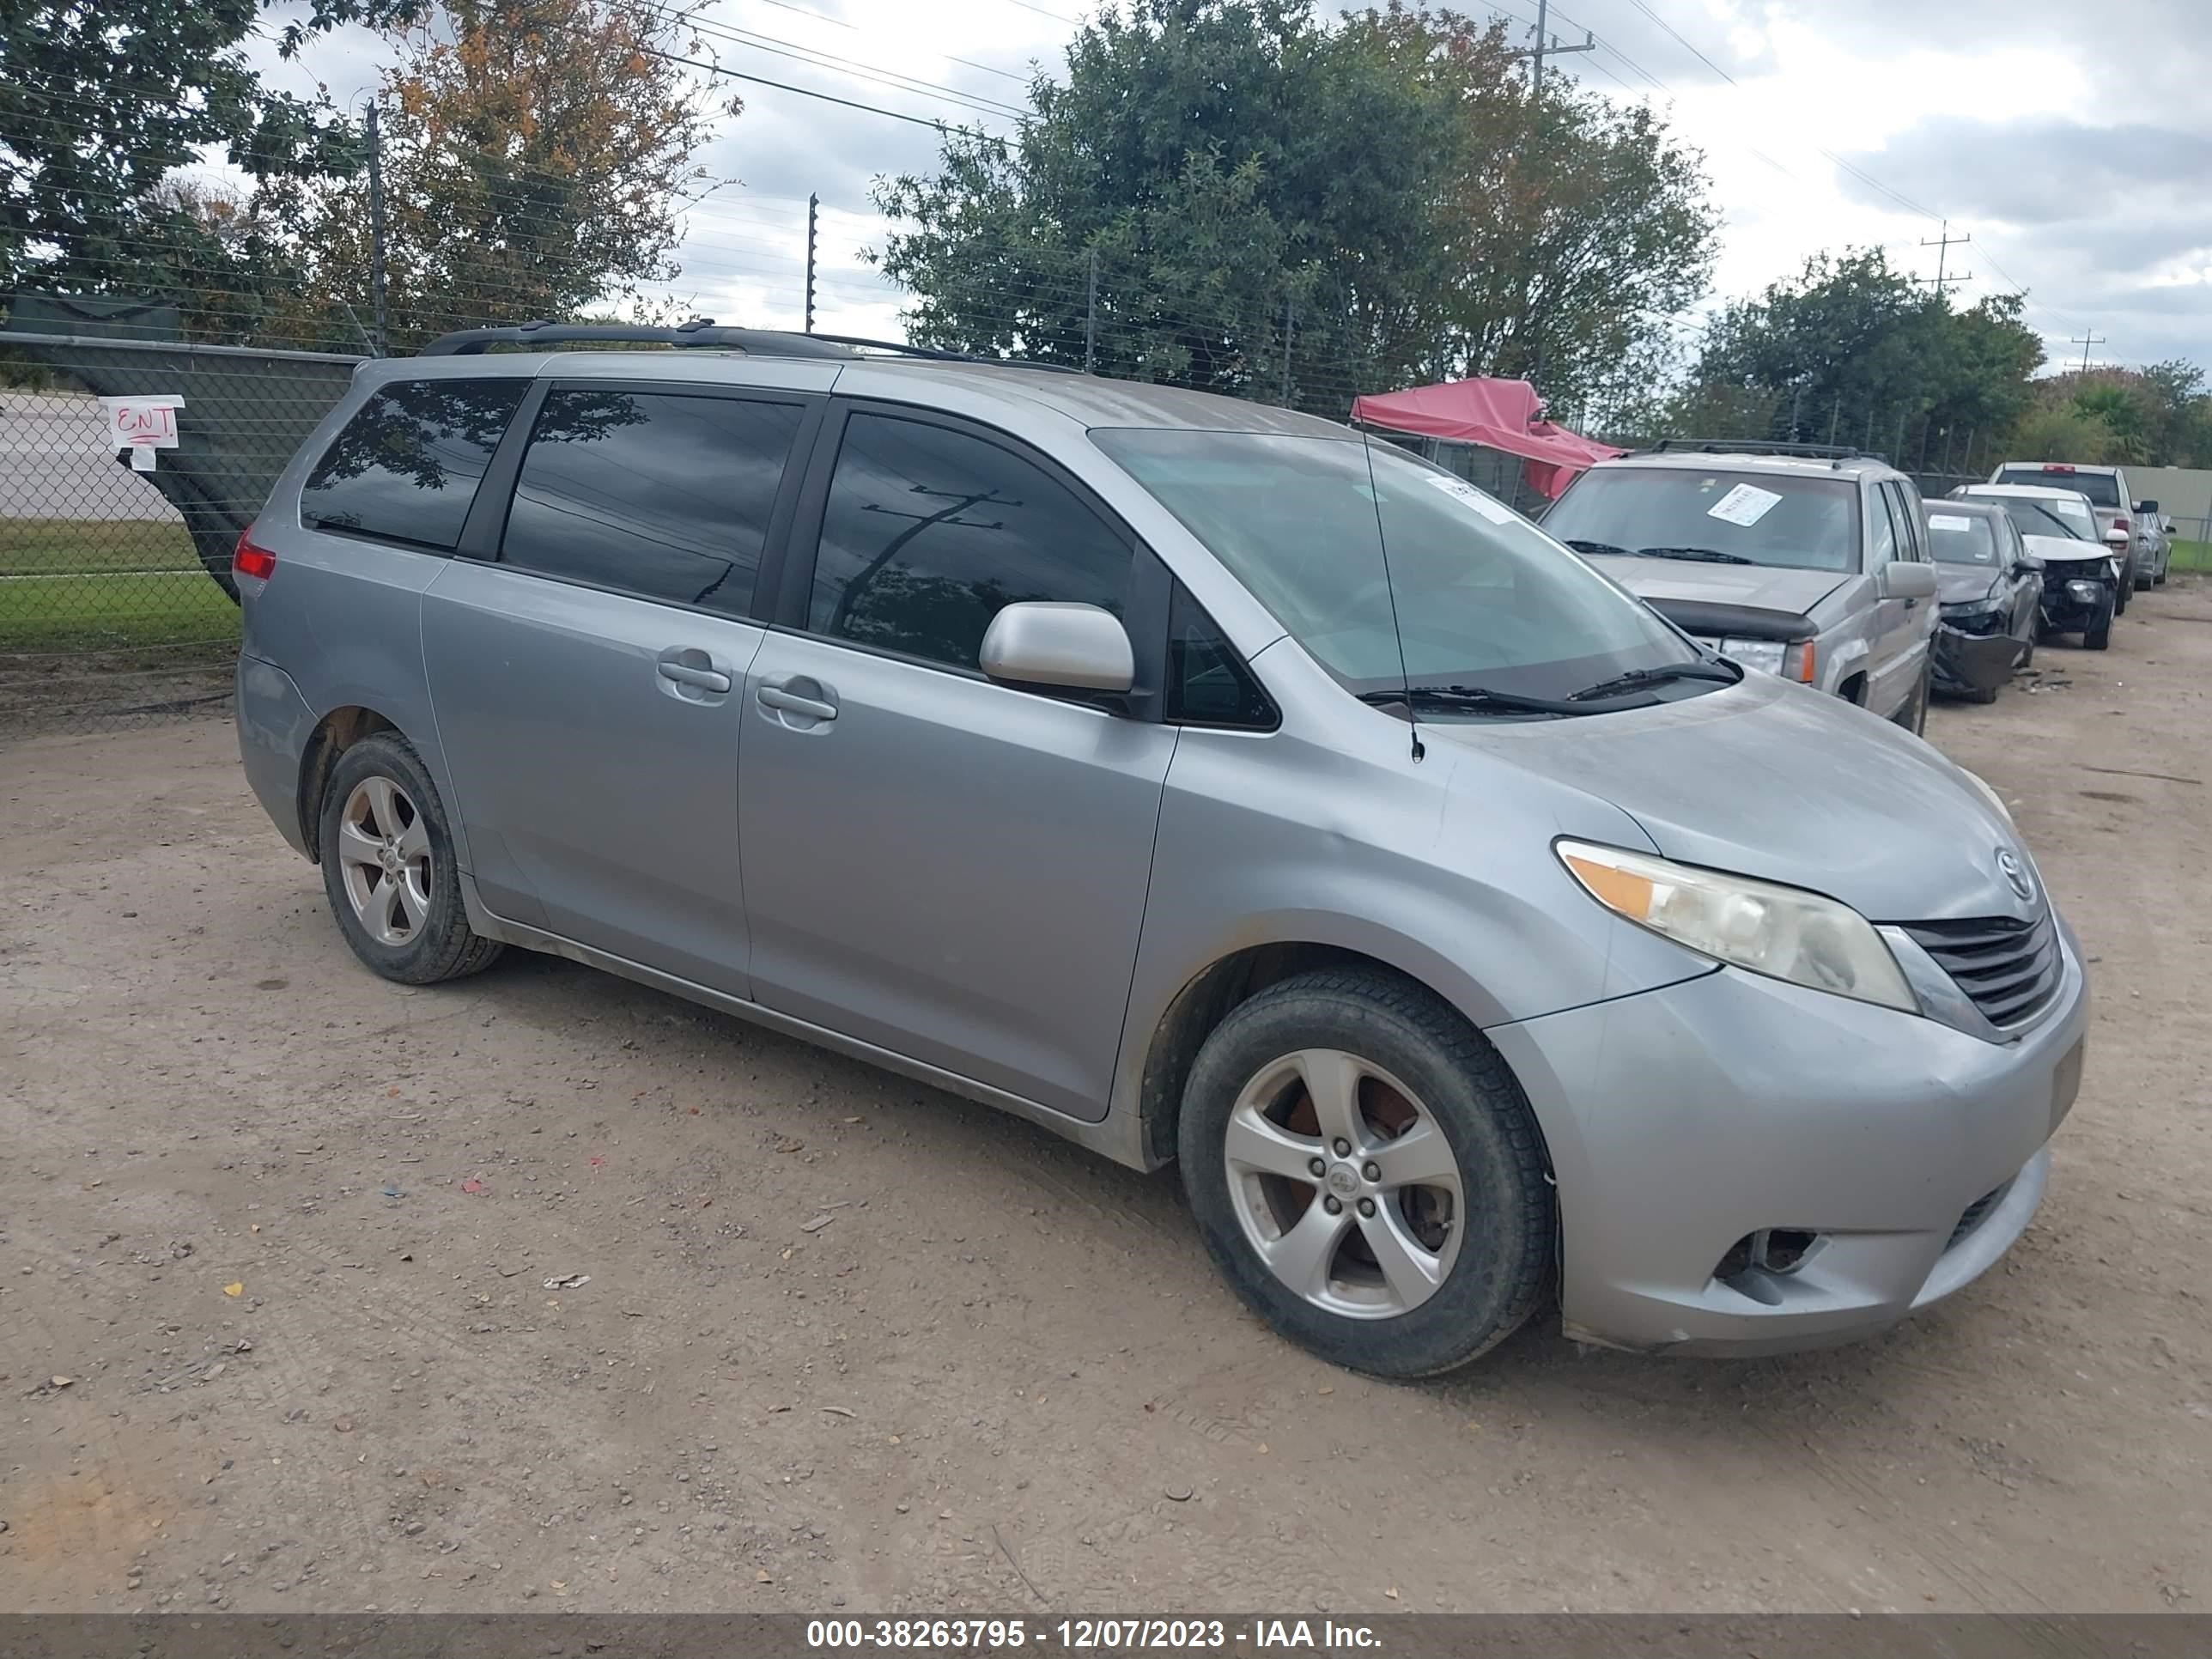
(1503, 415)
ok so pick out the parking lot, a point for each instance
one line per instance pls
(544, 1291)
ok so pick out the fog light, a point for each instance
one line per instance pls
(1776, 1250)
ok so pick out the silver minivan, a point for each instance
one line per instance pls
(1194, 779)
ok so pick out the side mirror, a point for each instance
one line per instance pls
(1905, 579)
(2117, 537)
(2145, 507)
(2030, 561)
(1079, 647)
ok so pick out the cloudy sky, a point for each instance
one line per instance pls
(2072, 141)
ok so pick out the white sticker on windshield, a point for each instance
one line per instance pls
(1497, 511)
(1949, 521)
(1747, 504)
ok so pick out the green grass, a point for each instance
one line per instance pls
(62, 587)
(2191, 556)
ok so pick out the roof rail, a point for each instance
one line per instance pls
(1765, 447)
(702, 332)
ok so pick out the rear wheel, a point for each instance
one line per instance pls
(1366, 1173)
(2120, 596)
(388, 867)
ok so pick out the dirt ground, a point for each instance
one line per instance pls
(286, 1230)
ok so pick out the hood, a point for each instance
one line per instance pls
(2060, 549)
(1760, 586)
(1965, 584)
(1777, 780)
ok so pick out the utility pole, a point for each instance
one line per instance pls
(1290, 330)
(1942, 245)
(376, 230)
(1090, 317)
(1547, 46)
(2084, 339)
(813, 203)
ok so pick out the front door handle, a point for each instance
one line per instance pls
(704, 679)
(774, 696)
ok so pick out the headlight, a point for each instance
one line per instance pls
(1988, 793)
(2084, 592)
(1765, 655)
(1785, 932)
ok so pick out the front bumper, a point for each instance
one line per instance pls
(1968, 657)
(1682, 1121)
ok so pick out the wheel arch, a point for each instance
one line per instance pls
(336, 732)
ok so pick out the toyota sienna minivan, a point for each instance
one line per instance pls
(1195, 779)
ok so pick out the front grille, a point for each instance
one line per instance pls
(2009, 969)
(1976, 1212)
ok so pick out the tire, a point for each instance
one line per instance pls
(1416, 1065)
(1913, 716)
(2121, 594)
(404, 918)
(2098, 636)
(1984, 698)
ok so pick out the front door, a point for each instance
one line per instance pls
(941, 865)
(586, 675)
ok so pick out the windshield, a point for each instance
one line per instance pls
(1482, 597)
(1732, 517)
(2047, 515)
(1961, 537)
(2101, 488)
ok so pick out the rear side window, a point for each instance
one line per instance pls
(928, 533)
(406, 467)
(663, 496)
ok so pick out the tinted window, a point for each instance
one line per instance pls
(1774, 518)
(662, 496)
(406, 467)
(1208, 684)
(2101, 488)
(929, 531)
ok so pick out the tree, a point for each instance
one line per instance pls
(536, 157)
(99, 105)
(1853, 350)
(1264, 201)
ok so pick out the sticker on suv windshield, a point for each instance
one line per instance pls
(1747, 504)
(1949, 521)
(1496, 512)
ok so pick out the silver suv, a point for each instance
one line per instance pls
(1193, 779)
(1811, 564)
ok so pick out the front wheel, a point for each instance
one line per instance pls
(2097, 636)
(388, 867)
(1366, 1173)
(1913, 716)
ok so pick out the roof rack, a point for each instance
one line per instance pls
(1763, 446)
(700, 332)
(703, 334)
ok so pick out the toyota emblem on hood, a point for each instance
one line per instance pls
(2016, 875)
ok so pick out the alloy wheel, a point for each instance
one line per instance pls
(1344, 1184)
(384, 855)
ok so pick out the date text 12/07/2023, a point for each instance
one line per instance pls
(1088, 1635)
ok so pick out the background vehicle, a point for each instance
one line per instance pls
(2083, 586)
(1076, 746)
(2105, 487)
(1990, 589)
(1813, 567)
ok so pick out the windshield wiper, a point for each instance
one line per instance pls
(1636, 680)
(1701, 555)
(1600, 547)
(1471, 696)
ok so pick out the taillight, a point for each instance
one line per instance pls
(2121, 524)
(251, 559)
(2057, 466)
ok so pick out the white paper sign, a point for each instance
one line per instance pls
(1747, 504)
(142, 425)
(1496, 512)
(1949, 521)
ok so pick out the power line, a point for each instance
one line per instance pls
(846, 23)
(939, 125)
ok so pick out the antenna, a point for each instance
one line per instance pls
(1383, 546)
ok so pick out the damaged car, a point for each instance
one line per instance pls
(2084, 581)
(1988, 589)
